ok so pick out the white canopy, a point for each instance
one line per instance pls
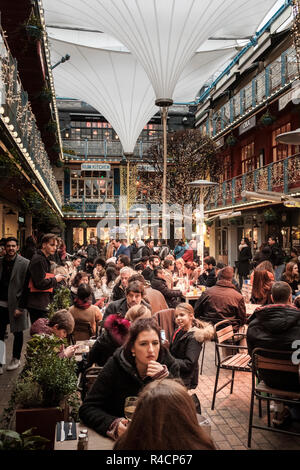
(116, 85)
(163, 35)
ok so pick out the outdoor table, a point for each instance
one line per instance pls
(84, 347)
(191, 296)
(250, 308)
(95, 442)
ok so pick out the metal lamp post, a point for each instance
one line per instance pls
(201, 184)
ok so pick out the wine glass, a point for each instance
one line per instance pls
(129, 407)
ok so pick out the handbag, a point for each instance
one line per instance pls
(33, 289)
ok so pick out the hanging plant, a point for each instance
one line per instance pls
(208, 223)
(267, 119)
(51, 127)
(270, 215)
(45, 94)
(34, 29)
(83, 225)
(231, 140)
(236, 220)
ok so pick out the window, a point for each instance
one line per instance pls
(249, 161)
(91, 185)
(151, 132)
(275, 75)
(226, 175)
(92, 130)
(291, 64)
(60, 185)
(280, 151)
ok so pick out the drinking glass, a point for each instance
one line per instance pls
(129, 407)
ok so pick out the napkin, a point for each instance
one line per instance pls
(66, 429)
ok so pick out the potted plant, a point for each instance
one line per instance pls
(61, 300)
(34, 28)
(270, 215)
(45, 389)
(83, 225)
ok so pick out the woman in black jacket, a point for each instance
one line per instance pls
(141, 360)
(187, 343)
(244, 258)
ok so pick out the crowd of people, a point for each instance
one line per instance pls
(120, 289)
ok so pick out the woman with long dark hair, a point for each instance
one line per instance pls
(165, 419)
(141, 360)
(291, 276)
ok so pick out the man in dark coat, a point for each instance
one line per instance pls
(148, 248)
(158, 282)
(119, 290)
(13, 269)
(208, 277)
(154, 262)
(134, 296)
(40, 282)
(276, 257)
(222, 301)
(276, 327)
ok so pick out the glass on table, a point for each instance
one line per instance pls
(129, 407)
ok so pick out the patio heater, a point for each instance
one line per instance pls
(201, 184)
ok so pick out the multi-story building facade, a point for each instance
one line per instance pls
(30, 141)
(253, 101)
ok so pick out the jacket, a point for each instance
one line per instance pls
(208, 280)
(155, 299)
(170, 295)
(117, 380)
(186, 348)
(221, 302)
(120, 307)
(111, 338)
(277, 255)
(117, 292)
(244, 258)
(188, 255)
(147, 273)
(15, 291)
(38, 267)
(275, 327)
(179, 251)
(146, 251)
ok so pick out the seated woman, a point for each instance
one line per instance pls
(264, 266)
(104, 287)
(80, 278)
(166, 407)
(261, 288)
(141, 360)
(114, 334)
(291, 276)
(187, 343)
(61, 324)
(83, 309)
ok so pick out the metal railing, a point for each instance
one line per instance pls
(89, 149)
(17, 115)
(281, 176)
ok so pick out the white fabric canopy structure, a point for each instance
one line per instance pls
(116, 85)
(163, 35)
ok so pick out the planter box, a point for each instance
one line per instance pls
(43, 419)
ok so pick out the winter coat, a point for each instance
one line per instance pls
(39, 266)
(188, 255)
(15, 291)
(117, 380)
(179, 251)
(208, 280)
(118, 293)
(164, 251)
(244, 258)
(275, 327)
(92, 252)
(172, 296)
(221, 302)
(277, 255)
(186, 348)
(92, 314)
(155, 299)
(111, 338)
(148, 273)
(146, 251)
(123, 250)
(120, 307)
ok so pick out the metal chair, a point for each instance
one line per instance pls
(234, 361)
(262, 360)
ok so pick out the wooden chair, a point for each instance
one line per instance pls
(280, 362)
(88, 379)
(235, 361)
(82, 331)
(166, 320)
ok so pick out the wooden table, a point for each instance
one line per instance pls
(96, 441)
(190, 296)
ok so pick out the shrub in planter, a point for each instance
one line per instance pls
(231, 140)
(267, 119)
(11, 440)
(270, 215)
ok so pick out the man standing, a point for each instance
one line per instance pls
(92, 250)
(13, 269)
(148, 248)
(122, 248)
(40, 281)
(276, 258)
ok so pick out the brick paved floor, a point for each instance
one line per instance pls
(229, 420)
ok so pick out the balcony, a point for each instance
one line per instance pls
(281, 176)
(20, 121)
(101, 149)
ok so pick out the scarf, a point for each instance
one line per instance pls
(82, 304)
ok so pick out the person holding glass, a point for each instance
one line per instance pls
(141, 360)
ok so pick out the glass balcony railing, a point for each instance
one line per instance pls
(102, 149)
(282, 176)
(17, 115)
